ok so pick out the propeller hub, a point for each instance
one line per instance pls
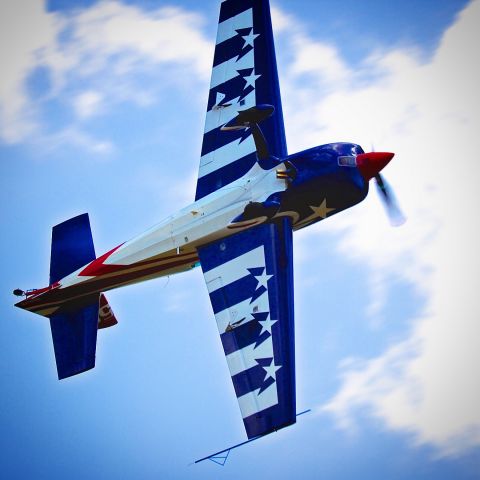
(370, 164)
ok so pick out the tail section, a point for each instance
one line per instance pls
(74, 335)
(74, 328)
(72, 247)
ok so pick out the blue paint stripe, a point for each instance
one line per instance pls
(234, 88)
(268, 90)
(231, 48)
(233, 293)
(269, 420)
(225, 175)
(217, 138)
(218, 253)
(242, 336)
(251, 380)
(231, 8)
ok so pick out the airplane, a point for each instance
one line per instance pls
(251, 196)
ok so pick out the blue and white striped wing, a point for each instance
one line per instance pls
(249, 277)
(244, 74)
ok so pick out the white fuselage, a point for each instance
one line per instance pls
(167, 248)
(201, 222)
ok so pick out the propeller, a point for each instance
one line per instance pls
(370, 165)
(389, 201)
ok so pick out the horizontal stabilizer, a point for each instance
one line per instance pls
(74, 335)
(74, 328)
(72, 247)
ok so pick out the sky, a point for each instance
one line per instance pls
(102, 106)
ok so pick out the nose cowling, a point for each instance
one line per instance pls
(370, 164)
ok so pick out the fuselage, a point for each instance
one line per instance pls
(318, 188)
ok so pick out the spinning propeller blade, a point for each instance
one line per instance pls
(387, 197)
(370, 165)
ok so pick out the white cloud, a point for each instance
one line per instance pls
(429, 114)
(164, 35)
(313, 56)
(314, 60)
(72, 136)
(87, 103)
(21, 38)
(105, 48)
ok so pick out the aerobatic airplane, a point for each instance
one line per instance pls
(251, 195)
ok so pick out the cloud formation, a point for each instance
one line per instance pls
(429, 114)
(91, 59)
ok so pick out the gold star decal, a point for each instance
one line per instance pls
(322, 210)
(318, 212)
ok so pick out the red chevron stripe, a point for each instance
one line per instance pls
(97, 267)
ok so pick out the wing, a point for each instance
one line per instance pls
(244, 74)
(249, 277)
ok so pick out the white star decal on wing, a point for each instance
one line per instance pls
(271, 370)
(263, 279)
(267, 325)
(250, 38)
(251, 79)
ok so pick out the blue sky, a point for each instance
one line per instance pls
(102, 111)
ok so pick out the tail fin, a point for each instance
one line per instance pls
(74, 329)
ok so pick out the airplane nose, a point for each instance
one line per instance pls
(370, 164)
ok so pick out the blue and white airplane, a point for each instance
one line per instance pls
(251, 195)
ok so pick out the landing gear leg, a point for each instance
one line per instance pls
(251, 118)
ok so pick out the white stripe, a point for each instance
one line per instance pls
(227, 70)
(235, 269)
(254, 402)
(247, 357)
(241, 310)
(225, 155)
(218, 116)
(226, 29)
(221, 115)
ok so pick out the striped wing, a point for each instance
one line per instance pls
(249, 277)
(244, 74)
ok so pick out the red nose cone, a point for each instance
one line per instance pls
(371, 163)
